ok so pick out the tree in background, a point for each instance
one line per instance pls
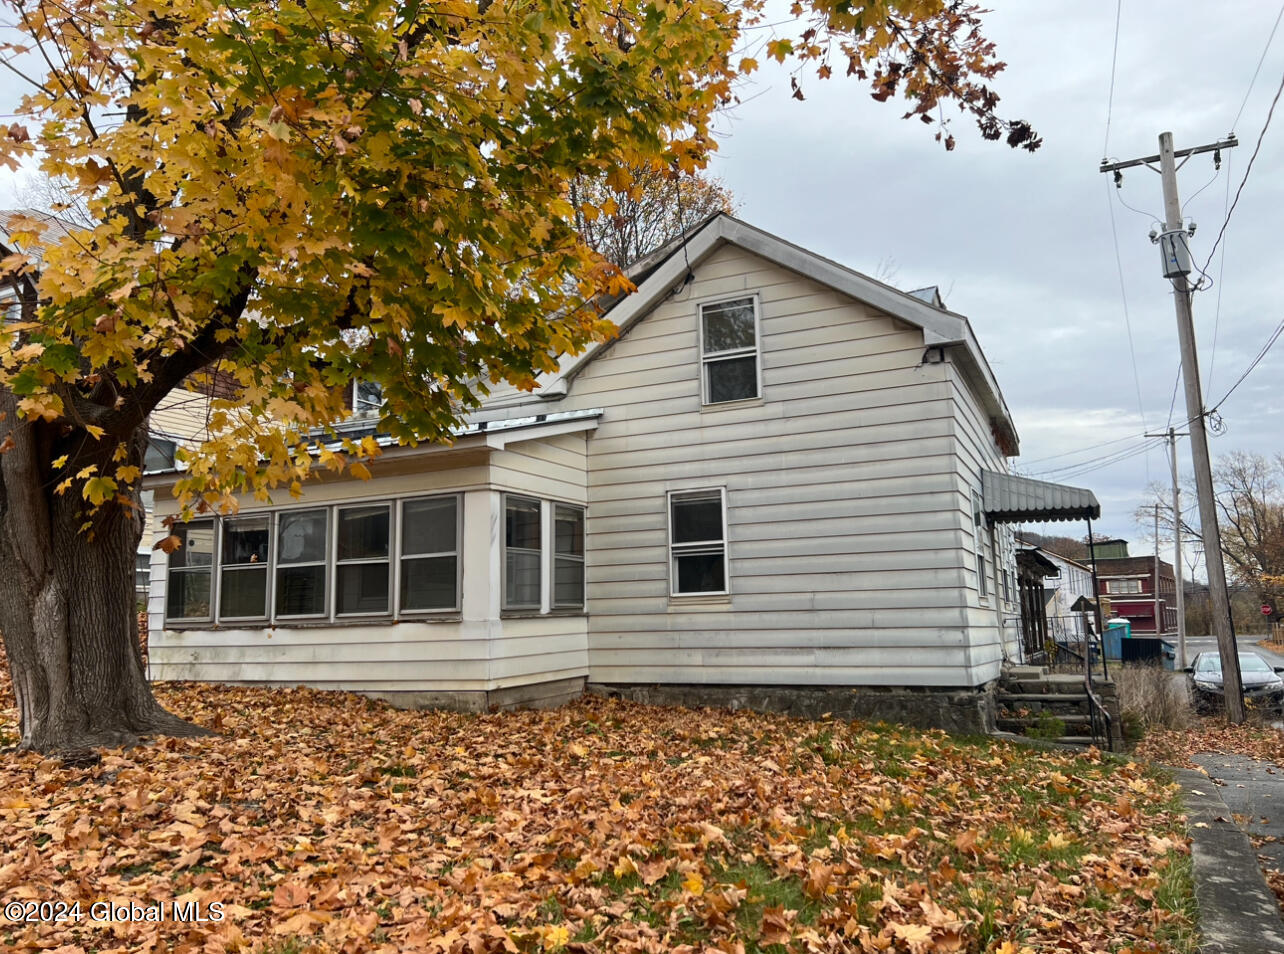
(1063, 546)
(299, 195)
(623, 227)
(1249, 493)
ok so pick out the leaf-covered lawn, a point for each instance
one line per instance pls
(324, 821)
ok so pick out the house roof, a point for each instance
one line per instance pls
(659, 273)
(1007, 498)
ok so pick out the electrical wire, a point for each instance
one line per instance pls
(1270, 343)
(1123, 295)
(1114, 62)
(1080, 450)
(1221, 271)
(1253, 158)
(1260, 60)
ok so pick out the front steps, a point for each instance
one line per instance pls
(1030, 698)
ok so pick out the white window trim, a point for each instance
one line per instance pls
(541, 605)
(706, 360)
(726, 549)
(978, 539)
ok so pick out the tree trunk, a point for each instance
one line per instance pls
(67, 599)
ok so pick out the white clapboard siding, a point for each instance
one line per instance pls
(849, 540)
(551, 467)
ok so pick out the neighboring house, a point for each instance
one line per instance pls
(1129, 584)
(1061, 591)
(767, 489)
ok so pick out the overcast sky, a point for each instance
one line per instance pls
(1022, 244)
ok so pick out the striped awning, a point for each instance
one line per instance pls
(1010, 499)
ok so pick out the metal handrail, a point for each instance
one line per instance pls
(1099, 720)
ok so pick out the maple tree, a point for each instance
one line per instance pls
(297, 195)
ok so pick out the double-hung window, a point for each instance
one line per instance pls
(362, 564)
(697, 542)
(523, 542)
(568, 556)
(367, 397)
(729, 350)
(243, 567)
(191, 572)
(978, 532)
(430, 555)
(301, 560)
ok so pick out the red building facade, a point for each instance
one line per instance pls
(1129, 584)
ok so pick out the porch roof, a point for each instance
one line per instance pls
(1007, 498)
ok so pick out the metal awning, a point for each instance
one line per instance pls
(1036, 564)
(1010, 499)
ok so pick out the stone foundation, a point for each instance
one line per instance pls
(960, 711)
(543, 695)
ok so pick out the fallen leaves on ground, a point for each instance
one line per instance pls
(327, 822)
(1211, 734)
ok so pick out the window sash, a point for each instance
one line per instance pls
(407, 559)
(568, 560)
(695, 548)
(515, 555)
(710, 358)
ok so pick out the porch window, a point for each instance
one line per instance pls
(302, 537)
(243, 568)
(430, 555)
(568, 556)
(362, 560)
(523, 541)
(729, 350)
(697, 542)
(191, 571)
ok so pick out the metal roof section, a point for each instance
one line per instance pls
(1006, 498)
(492, 434)
(930, 294)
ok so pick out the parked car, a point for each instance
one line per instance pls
(1263, 686)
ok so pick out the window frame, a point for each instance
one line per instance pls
(269, 567)
(707, 358)
(212, 570)
(504, 604)
(457, 553)
(697, 546)
(335, 562)
(326, 563)
(581, 558)
(354, 397)
(978, 539)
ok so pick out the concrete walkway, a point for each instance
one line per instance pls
(1238, 914)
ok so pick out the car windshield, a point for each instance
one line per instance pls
(1248, 662)
(1251, 662)
(1208, 662)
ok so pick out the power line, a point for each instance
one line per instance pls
(1260, 60)
(1114, 62)
(1221, 271)
(1080, 450)
(1270, 342)
(1123, 294)
(1256, 149)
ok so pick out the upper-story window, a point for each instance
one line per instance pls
(367, 397)
(729, 350)
(1123, 586)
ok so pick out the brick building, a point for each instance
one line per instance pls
(1128, 582)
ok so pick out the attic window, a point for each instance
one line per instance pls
(729, 350)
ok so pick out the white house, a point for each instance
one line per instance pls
(767, 489)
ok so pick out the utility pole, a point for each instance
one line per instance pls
(1176, 259)
(1171, 436)
(1159, 624)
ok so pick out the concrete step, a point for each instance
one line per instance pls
(1021, 722)
(1046, 697)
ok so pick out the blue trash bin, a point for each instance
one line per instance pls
(1117, 630)
(1170, 655)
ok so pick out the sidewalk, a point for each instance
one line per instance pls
(1238, 914)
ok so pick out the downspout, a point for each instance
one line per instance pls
(1096, 598)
